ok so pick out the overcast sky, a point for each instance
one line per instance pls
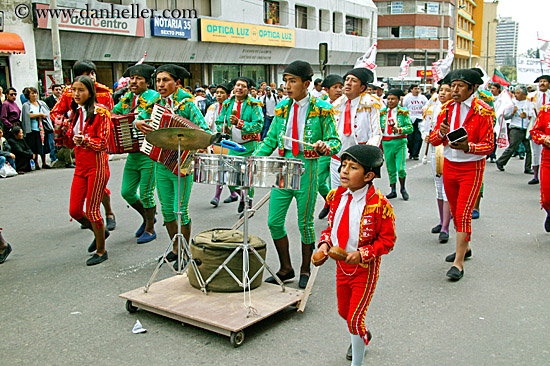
(532, 16)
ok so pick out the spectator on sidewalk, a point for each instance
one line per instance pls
(21, 150)
(10, 114)
(269, 101)
(37, 127)
(414, 101)
(5, 151)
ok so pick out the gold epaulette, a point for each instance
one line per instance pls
(330, 196)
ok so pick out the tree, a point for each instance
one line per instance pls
(509, 71)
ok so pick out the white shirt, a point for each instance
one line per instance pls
(455, 154)
(365, 121)
(236, 134)
(317, 94)
(303, 106)
(76, 129)
(414, 105)
(212, 115)
(356, 207)
(169, 102)
(431, 118)
(540, 99)
(270, 104)
(389, 121)
(523, 106)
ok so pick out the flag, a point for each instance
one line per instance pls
(405, 67)
(544, 48)
(142, 59)
(503, 103)
(368, 60)
(441, 68)
(499, 77)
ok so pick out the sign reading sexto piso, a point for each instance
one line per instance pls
(230, 32)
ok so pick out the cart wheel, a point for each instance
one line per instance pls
(237, 338)
(130, 308)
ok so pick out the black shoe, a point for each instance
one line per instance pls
(70, 166)
(547, 224)
(392, 194)
(492, 160)
(214, 202)
(455, 274)
(324, 212)
(499, 167)
(443, 238)
(349, 353)
(436, 229)
(230, 199)
(404, 194)
(111, 223)
(451, 257)
(304, 278)
(4, 255)
(533, 181)
(241, 207)
(92, 248)
(96, 259)
(283, 277)
(415, 158)
(170, 257)
(183, 264)
(521, 157)
(529, 171)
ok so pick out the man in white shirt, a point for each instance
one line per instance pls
(519, 116)
(414, 102)
(317, 91)
(357, 116)
(269, 101)
(496, 89)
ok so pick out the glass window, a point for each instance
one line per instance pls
(337, 22)
(395, 32)
(301, 17)
(224, 73)
(324, 20)
(354, 26)
(393, 59)
(426, 32)
(406, 31)
(257, 73)
(271, 12)
(383, 32)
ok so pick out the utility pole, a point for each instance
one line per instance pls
(56, 48)
(425, 68)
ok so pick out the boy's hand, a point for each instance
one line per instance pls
(323, 248)
(353, 258)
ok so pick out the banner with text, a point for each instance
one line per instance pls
(230, 32)
(529, 69)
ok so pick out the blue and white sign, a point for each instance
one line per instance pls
(170, 27)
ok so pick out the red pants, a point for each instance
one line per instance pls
(462, 182)
(355, 292)
(89, 182)
(545, 179)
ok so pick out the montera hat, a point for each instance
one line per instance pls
(397, 92)
(143, 70)
(545, 77)
(301, 69)
(364, 75)
(370, 157)
(332, 79)
(468, 76)
(177, 72)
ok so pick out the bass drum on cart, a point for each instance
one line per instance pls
(212, 247)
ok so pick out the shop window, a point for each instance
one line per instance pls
(225, 73)
(271, 12)
(255, 72)
(301, 16)
(337, 22)
(354, 26)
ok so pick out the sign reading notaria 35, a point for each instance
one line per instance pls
(80, 21)
(230, 32)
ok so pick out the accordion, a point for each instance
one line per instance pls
(124, 137)
(162, 117)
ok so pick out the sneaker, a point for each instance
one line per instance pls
(499, 167)
(475, 214)
(533, 181)
(231, 199)
(214, 202)
(96, 259)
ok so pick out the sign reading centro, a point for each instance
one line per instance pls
(230, 32)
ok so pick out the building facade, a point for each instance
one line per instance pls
(507, 42)
(489, 35)
(417, 29)
(469, 34)
(216, 40)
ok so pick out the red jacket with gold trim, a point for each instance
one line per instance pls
(541, 129)
(377, 232)
(63, 105)
(478, 124)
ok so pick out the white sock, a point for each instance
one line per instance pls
(358, 350)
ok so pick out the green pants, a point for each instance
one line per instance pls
(167, 188)
(251, 146)
(395, 154)
(324, 175)
(139, 171)
(305, 200)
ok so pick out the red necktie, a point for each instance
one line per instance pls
(456, 123)
(295, 146)
(239, 109)
(81, 118)
(389, 127)
(133, 103)
(169, 103)
(347, 119)
(544, 99)
(343, 226)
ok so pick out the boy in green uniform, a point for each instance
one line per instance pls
(242, 116)
(139, 170)
(395, 125)
(301, 117)
(168, 79)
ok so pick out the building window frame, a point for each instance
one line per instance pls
(300, 16)
(271, 12)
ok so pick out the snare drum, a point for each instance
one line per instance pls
(219, 169)
(274, 172)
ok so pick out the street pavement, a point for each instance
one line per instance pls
(58, 311)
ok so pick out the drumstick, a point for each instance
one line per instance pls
(303, 300)
(299, 141)
(256, 207)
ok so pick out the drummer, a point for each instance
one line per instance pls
(139, 169)
(168, 81)
(333, 85)
(243, 118)
(213, 112)
(308, 119)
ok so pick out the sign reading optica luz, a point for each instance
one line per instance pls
(171, 27)
(230, 32)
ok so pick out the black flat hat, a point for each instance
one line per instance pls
(545, 77)
(468, 76)
(397, 92)
(227, 87)
(370, 157)
(142, 70)
(364, 75)
(445, 81)
(299, 68)
(332, 79)
(177, 72)
(249, 82)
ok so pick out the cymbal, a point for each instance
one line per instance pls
(188, 138)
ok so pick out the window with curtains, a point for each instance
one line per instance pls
(354, 26)
(301, 16)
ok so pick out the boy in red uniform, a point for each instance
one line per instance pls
(87, 132)
(362, 222)
(541, 135)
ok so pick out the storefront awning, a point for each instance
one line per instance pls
(11, 43)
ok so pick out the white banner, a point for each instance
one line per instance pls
(529, 69)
